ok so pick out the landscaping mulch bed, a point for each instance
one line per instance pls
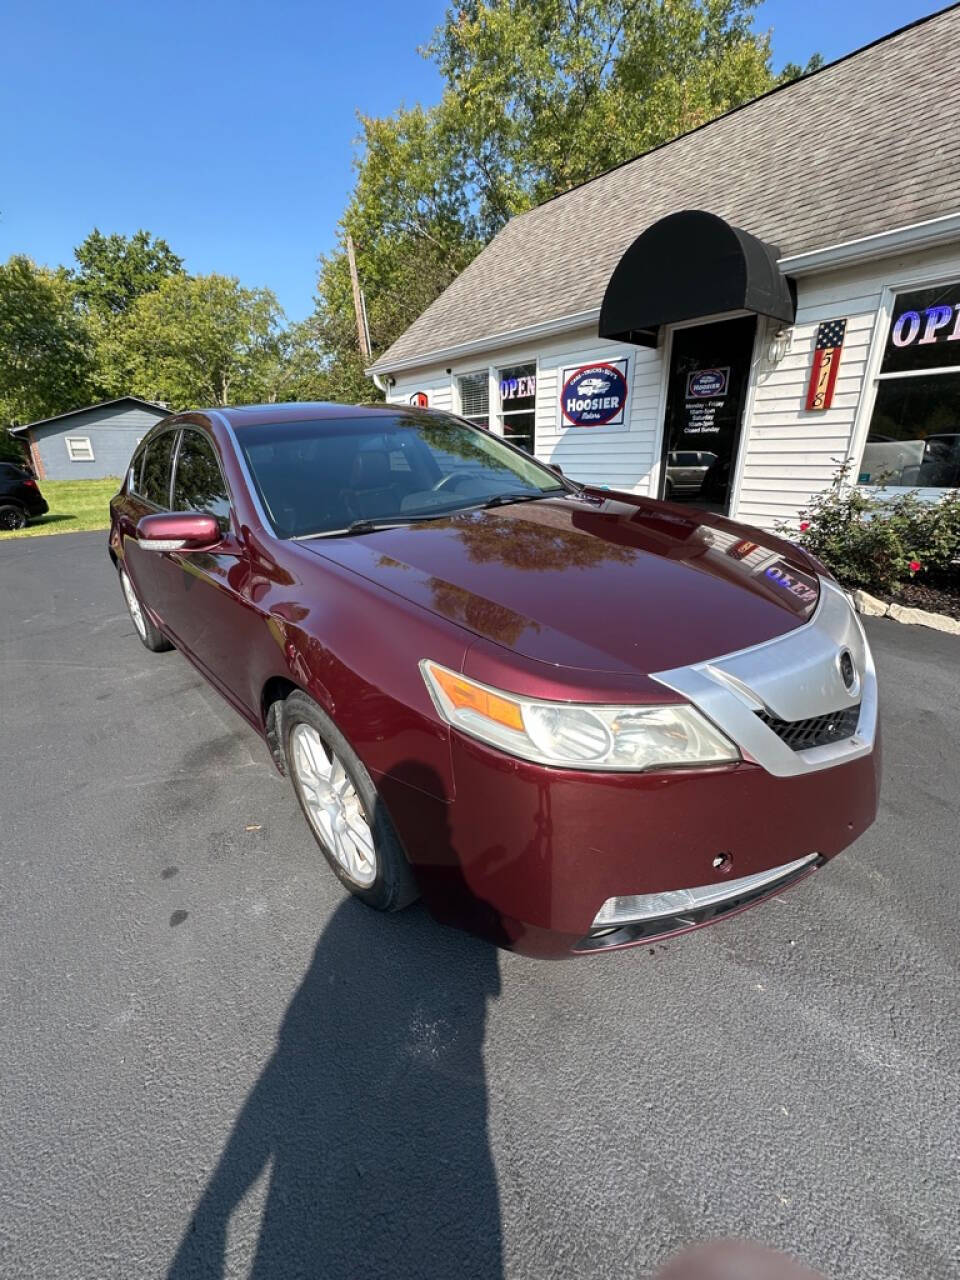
(935, 597)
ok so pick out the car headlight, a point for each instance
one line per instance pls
(574, 735)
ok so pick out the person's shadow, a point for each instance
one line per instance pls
(371, 1116)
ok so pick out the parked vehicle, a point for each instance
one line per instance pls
(20, 497)
(686, 471)
(571, 719)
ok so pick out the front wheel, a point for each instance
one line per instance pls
(341, 805)
(149, 635)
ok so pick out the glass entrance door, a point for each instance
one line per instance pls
(707, 388)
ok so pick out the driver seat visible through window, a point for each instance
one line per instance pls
(372, 493)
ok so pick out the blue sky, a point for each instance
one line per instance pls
(227, 128)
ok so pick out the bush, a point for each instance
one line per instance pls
(877, 543)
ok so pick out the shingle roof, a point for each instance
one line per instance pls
(101, 404)
(869, 143)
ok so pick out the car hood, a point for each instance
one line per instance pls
(609, 584)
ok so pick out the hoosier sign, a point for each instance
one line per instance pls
(594, 395)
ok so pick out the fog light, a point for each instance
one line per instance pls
(674, 902)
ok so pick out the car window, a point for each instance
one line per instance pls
(198, 484)
(133, 471)
(155, 477)
(321, 475)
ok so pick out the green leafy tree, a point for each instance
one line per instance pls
(545, 94)
(201, 340)
(46, 362)
(113, 271)
(539, 95)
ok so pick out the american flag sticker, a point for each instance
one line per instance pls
(826, 363)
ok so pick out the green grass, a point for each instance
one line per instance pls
(75, 506)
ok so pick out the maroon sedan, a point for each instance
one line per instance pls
(570, 719)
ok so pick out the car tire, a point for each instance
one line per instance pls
(348, 821)
(150, 636)
(12, 517)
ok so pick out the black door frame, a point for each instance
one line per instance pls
(760, 334)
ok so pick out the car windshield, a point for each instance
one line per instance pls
(328, 474)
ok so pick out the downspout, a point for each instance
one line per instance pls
(379, 383)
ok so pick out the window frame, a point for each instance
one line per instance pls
(872, 378)
(148, 440)
(72, 440)
(227, 523)
(502, 414)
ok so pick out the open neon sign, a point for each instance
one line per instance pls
(926, 327)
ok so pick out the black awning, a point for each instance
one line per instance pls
(689, 265)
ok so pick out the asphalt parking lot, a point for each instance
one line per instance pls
(213, 1063)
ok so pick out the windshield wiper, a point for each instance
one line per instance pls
(370, 525)
(503, 499)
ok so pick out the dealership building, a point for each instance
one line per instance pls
(732, 316)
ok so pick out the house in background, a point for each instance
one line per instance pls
(728, 318)
(88, 444)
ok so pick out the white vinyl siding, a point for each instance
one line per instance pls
(623, 457)
(792, 453)
(788, 455)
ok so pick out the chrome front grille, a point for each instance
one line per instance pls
(816, 731)
(795, 686)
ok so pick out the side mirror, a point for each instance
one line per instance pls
(178, 531)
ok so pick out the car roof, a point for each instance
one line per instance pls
(255, 415)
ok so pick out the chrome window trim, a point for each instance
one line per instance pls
(792, 677)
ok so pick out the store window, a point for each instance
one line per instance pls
(474, 391)
(518, 398)
(914, 437)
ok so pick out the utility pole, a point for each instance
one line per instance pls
(357, 301)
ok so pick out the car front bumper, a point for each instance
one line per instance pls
(527, 856)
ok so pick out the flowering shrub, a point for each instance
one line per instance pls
(877, 543)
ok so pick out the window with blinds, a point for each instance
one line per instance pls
(475, 397)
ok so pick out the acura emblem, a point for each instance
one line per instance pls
(848, 671)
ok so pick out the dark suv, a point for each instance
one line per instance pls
(20, 498)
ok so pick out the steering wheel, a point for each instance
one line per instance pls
(451, 480)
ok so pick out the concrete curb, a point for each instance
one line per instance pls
(871, 607)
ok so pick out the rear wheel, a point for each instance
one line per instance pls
(344, 812)
(12, 516)
(153, 639)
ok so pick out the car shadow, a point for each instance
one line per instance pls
(371, 1116)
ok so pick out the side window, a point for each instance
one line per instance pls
(198, 484)
(155, 477)
(134, 470)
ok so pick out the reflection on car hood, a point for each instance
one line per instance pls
(618, 584)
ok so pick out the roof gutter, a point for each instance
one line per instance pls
(918, 235)
(915, 236)
(561, 324)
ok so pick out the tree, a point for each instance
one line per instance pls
(46, 363)
(113, 271)
(539, 95)
(201, 340)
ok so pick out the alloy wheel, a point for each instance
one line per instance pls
(332, 805)
(133, 604)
